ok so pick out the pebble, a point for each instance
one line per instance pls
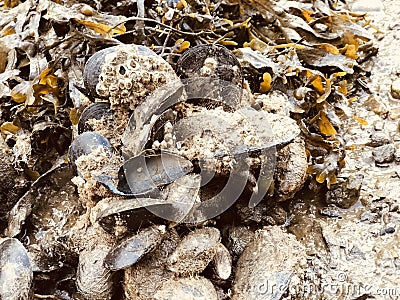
(345, 193)
(374, 103)
(394, 113)
(395, 89)
(384, 154)
(330, 211)
(379, 139)
(363, 6)
(397, 155)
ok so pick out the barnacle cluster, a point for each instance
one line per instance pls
(127, 76)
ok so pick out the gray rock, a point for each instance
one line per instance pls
(379, 138)
(384, 154)
(395, 89)
(345, 193)
(397, 155)
(375, 104)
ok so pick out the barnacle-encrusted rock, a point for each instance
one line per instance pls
(126, 74)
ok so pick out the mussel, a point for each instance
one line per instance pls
(125, 74)
(16, 274)
(214, 61)
(94, 111)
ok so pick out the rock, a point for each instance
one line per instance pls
(378, 139)
(394, 113)
(291, 169)
(374, 103)
(363, 6)
(397, 155)
(384, 154)
(395, 89)
(345, 193)
(238, 238)
(270, 265)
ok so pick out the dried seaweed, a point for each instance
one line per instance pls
(295, 47)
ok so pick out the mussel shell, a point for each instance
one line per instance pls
(147, 114)
(93, 67)
(85, 143)
(132, 249)
(149, 170)
(16, 274)
(227, 67)
(132, 213)
(195, 251)
(93, 280)
(96, 111)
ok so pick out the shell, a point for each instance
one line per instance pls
(210, 61)
(85, 143)
(273, 259)
(56, 209)
(93, 280)
(153, 110)
(125, 74)
(198, 288)
(96, 111)
(182, 194)
(116, 214)
(148, 171)
(129, 251)
(145, 173)
(147, 276)
(195, 251)
(16, 274)
(222, 262)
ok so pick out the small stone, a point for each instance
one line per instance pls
(397, 155)
(395, 89)
(394, 113)
(375, 104)
(330, 211)
(379, 139)
(390, 229)
(344, 194)
(363, 6)
(379, 125)
(384, 154)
